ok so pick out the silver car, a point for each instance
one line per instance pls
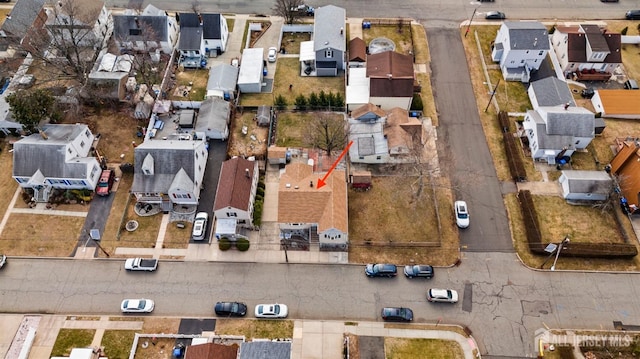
(137, 306)
(199, 226)
(271, 311)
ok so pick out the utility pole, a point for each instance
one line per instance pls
(564, 241)
(286, 256)
(470, 21)
(493, 93)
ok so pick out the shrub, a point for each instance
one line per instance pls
(313, 101)
(624, 31)
(280, 102)
(323, 100)
(339, 100)
(224, 244)
(416, 104)
(301, 102)
(242, 244)
(260, 191)
(257, 213)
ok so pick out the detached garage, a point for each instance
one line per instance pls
(585, 185)
(250, 77)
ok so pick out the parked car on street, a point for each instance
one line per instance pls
(380, 270)
(462, 214)
(141, 264)
(495, 15)
(632, 15)
(442, 295)
(137, 306)
(105, 183)
(199, 226)
(421, 271)
(271, 311)
(397, 314)
(3, 260)
(230, 309)
(271, 54)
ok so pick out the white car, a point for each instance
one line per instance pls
(271, 311)
(462, 214)
(3, 260)
(137, 306)
(271, 54)
(199, 226)
(442, 295)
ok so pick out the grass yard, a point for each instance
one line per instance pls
(288, 72)
(292, 127)
(117, 343)
(291, 41)
(195, 82)
(389, 212)
(40, 235)
(71, 338)
(8, 185)
(271, 329)
(177, 237)
(401, 348)
(401, 36)
(115, 219)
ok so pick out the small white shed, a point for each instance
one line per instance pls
(585, 185)
(250, 76)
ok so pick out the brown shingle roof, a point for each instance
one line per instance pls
(390, 74)
(400, 129)
(298, 202)
(276, 152)
(211, 351)
(357, 50)
(626, 164)
(364, 109)
(577, 37)
(620, 102)
(234, 186)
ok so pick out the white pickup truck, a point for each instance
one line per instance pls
(141, 264)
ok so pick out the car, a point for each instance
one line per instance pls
(609, 0)
(421, 271)
(485, 0)
(230, 309)
(442, 295)
(199, 226)
(137, 306)
(381, 270)
(3, 260)
(632, 15)
(631, 85)
(397, 314)
(271, 54)
(271, 311)
(495, 15)
(588, 93)
(462, 214)
(105, 183)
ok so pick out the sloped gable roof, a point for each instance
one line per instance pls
(190, 38)
(329, 20)
(620, 102)
(234, 186)
(214, 114)
(357, 50)
(22, 16)
(265, 349)
(545, 140)
(551, 91)
(390, 65)
(368, 108)
(572, 121)
(527, 35)
(400, 129)
(298, 202)
(140, 28)
(597, 182)
(211, 351)
(211, 26)
(222, 77)
(84, 12)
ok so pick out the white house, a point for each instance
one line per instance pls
(151, 30)
(250, 76)
(550, 91)
(85, 23)
(169, 172)
(558, 131)
(587, 51)
(329, 40)
(586, 185)
(519, 48)
(236, 193)
(201, 35)
(56, 158)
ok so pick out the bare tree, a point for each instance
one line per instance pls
(288, 9)
(327, 132)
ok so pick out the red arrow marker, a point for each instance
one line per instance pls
(333, 166)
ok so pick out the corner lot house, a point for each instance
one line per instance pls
(391, 79)
(169, 172)
(329, 40)
(56, 158)
(519, 48)
(235, 195)
(308, 215)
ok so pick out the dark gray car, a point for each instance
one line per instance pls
(421, 271)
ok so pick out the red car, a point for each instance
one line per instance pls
(105, 183)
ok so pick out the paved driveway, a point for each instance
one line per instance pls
(217, 155)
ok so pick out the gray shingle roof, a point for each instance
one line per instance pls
(326, 30)
(588, 181)
(210, 24)
(214, 114)
(151, 28)
(551, 91)
(531, 35)
(546, 141)
(573, 121)
(262, 350)
(190, 38)
(22, 17)
(223, 77)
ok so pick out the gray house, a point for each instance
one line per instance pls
(329, 40)
(550, 91)
(56, 158)
(585, 185)
(213, 118)
(151, 30)
(222, 81)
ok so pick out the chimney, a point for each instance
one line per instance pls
(137, 21)
(311, 184)
(200, 18)
(246, 173)
(342, 31)
(43, 135)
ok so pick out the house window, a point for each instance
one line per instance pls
(378, 157)
(87, 133)
(82, 144)
(578, 142)
(94, 171)
(69, 150)
(199, 168)
(328, 54)
(527, 52)
(196, 155)
(232, 214)
(362, 157)
(540, 53)
(135, 32)
(146, 171)
(522, 61)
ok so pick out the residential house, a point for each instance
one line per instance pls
(366, 130)
(58, 157)
(213, 118)
(201, 36)
(587, 52)
(626, 167)
(329, 40)
(85, 23)
(557, 131)
(222, 82)
(152, 30)
(623, 104)
(251, 70)
(357, 55)
(391, 80)
(404, 134)
(169, 172)
(235, 195)
(211, 351)
(585, 185)
(307, 214)
(259, 349)
(550, 91)
(520, 47)
(24, 24)
(278, 155)
(109, 76)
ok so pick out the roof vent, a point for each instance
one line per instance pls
(288, 185)
(296, 187)
(246, 172)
